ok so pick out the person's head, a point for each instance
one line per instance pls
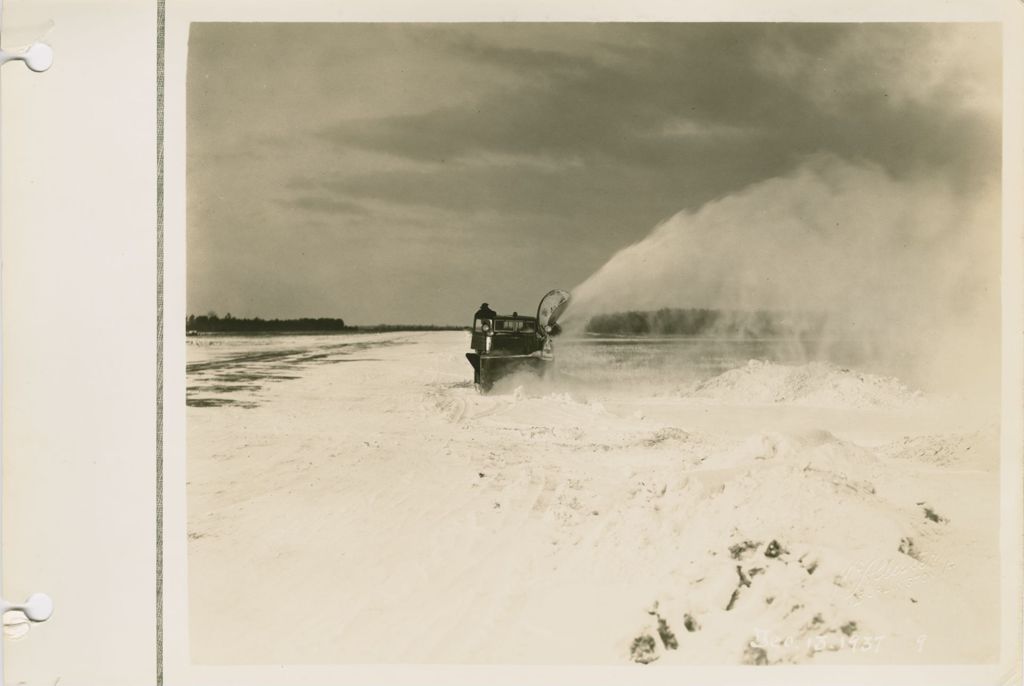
(484, 306)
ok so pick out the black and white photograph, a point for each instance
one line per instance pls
(593, 343)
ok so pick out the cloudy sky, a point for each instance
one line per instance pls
(404, 173)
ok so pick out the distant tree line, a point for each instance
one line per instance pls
(382, 328)
(212, 323)
(707, 322)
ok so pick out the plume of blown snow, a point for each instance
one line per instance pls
(910, 267)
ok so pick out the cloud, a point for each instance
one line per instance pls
(325, 205)
(560, 143)
(956, 65)
(683, 127)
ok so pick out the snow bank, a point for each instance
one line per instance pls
(806, 548)
(542, 524)
(814, 384)
(975, 450)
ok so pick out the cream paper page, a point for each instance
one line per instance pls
(349, 507)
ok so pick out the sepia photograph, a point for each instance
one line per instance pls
(609, 343)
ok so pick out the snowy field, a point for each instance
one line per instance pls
(700, 510)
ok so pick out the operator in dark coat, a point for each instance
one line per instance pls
(485, 312)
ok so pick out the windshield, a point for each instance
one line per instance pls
(515, 326)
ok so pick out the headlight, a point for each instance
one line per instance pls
(486, 328)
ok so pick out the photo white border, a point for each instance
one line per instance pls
(179, 670)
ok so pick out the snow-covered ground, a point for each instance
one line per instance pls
(769, 513)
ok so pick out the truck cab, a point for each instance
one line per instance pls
(505, 344)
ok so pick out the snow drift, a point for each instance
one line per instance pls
(612, 526)
(816, 383)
